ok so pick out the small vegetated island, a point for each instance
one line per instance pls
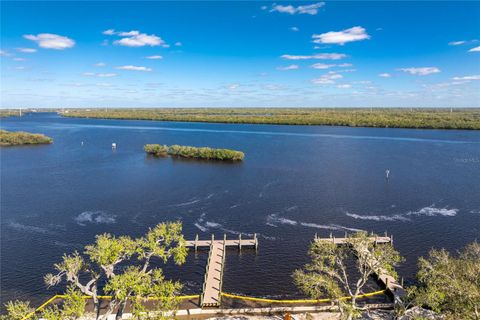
(194, 152)
(425, 118)
(9, 138)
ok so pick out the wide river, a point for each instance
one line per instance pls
(295, 181)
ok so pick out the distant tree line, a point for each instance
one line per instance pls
(8, 138)
(426, 118)
(193, 152)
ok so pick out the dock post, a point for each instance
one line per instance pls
(333, 239)
(224, 238)
(196, 240)
(391, 239)
(345, 234)
(402, 282)
(316, 236)
(240, 242)
(213, 238)
(376, 240)
(256, 241)
(330, 234)
(386, 234)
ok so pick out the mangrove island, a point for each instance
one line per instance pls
(8, 138)
(193, 152)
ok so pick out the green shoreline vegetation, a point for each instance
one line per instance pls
(194, 152)
(421, 118)
(8, 138)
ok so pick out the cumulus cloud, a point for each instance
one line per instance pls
(154, 57)
(311, 9)
(100, 64)
(468, 78)
(178, 44)
(109, 32)
(420, 71)
(327, 66)
(101, 75)
(344, 86)
(18, 59)
(321, 56)
(295, 29)
(341, 37)
(27, 50)
(135, 38)
(456, 43)
(385, 75)
(476, 49)
(328, 78)
(290, 67)
(51, 41)
(134, 68)
(233, 86)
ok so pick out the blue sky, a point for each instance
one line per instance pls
(234, 54)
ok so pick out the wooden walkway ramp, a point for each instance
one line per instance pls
(390, 283)
(213, 279)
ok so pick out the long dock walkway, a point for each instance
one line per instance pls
(213, 279)
(390, 283)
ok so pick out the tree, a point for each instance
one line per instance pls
(101, 263)
(449, 285)
(327, 272)
(17, 310)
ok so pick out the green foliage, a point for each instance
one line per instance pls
(16, 310)
(428, 118)
(156, 149)
(73, 307)
(327, 275)
(194, 152)
(137, 283)
(8, 138)
(450, 285)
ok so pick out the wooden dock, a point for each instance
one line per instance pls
(390, 283)
(213, 279)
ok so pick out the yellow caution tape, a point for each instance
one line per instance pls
(299, 300)
(62, 296)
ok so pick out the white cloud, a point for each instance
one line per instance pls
(290, 67)
(134, 68)
(322, 56)
(51, 41)
(328, 78)
(311, 9)
(342, 37)
(456, 43)
(233, 86)
(295, 29)
(474, 77)
(322, 66)
(137, 39)
(100, 64)
(344, 86)
(420, 71)
(154, 57)
(476, 49)
(327, 66)
(101, 75)
(4, 53)
(19, 59)
(20, 68)
(109, 32)
(178, 44)
(27, 50)
(385, 75)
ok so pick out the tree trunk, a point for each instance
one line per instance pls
(111, 306)
(121, 309)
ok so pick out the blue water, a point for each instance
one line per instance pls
(295, 181)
